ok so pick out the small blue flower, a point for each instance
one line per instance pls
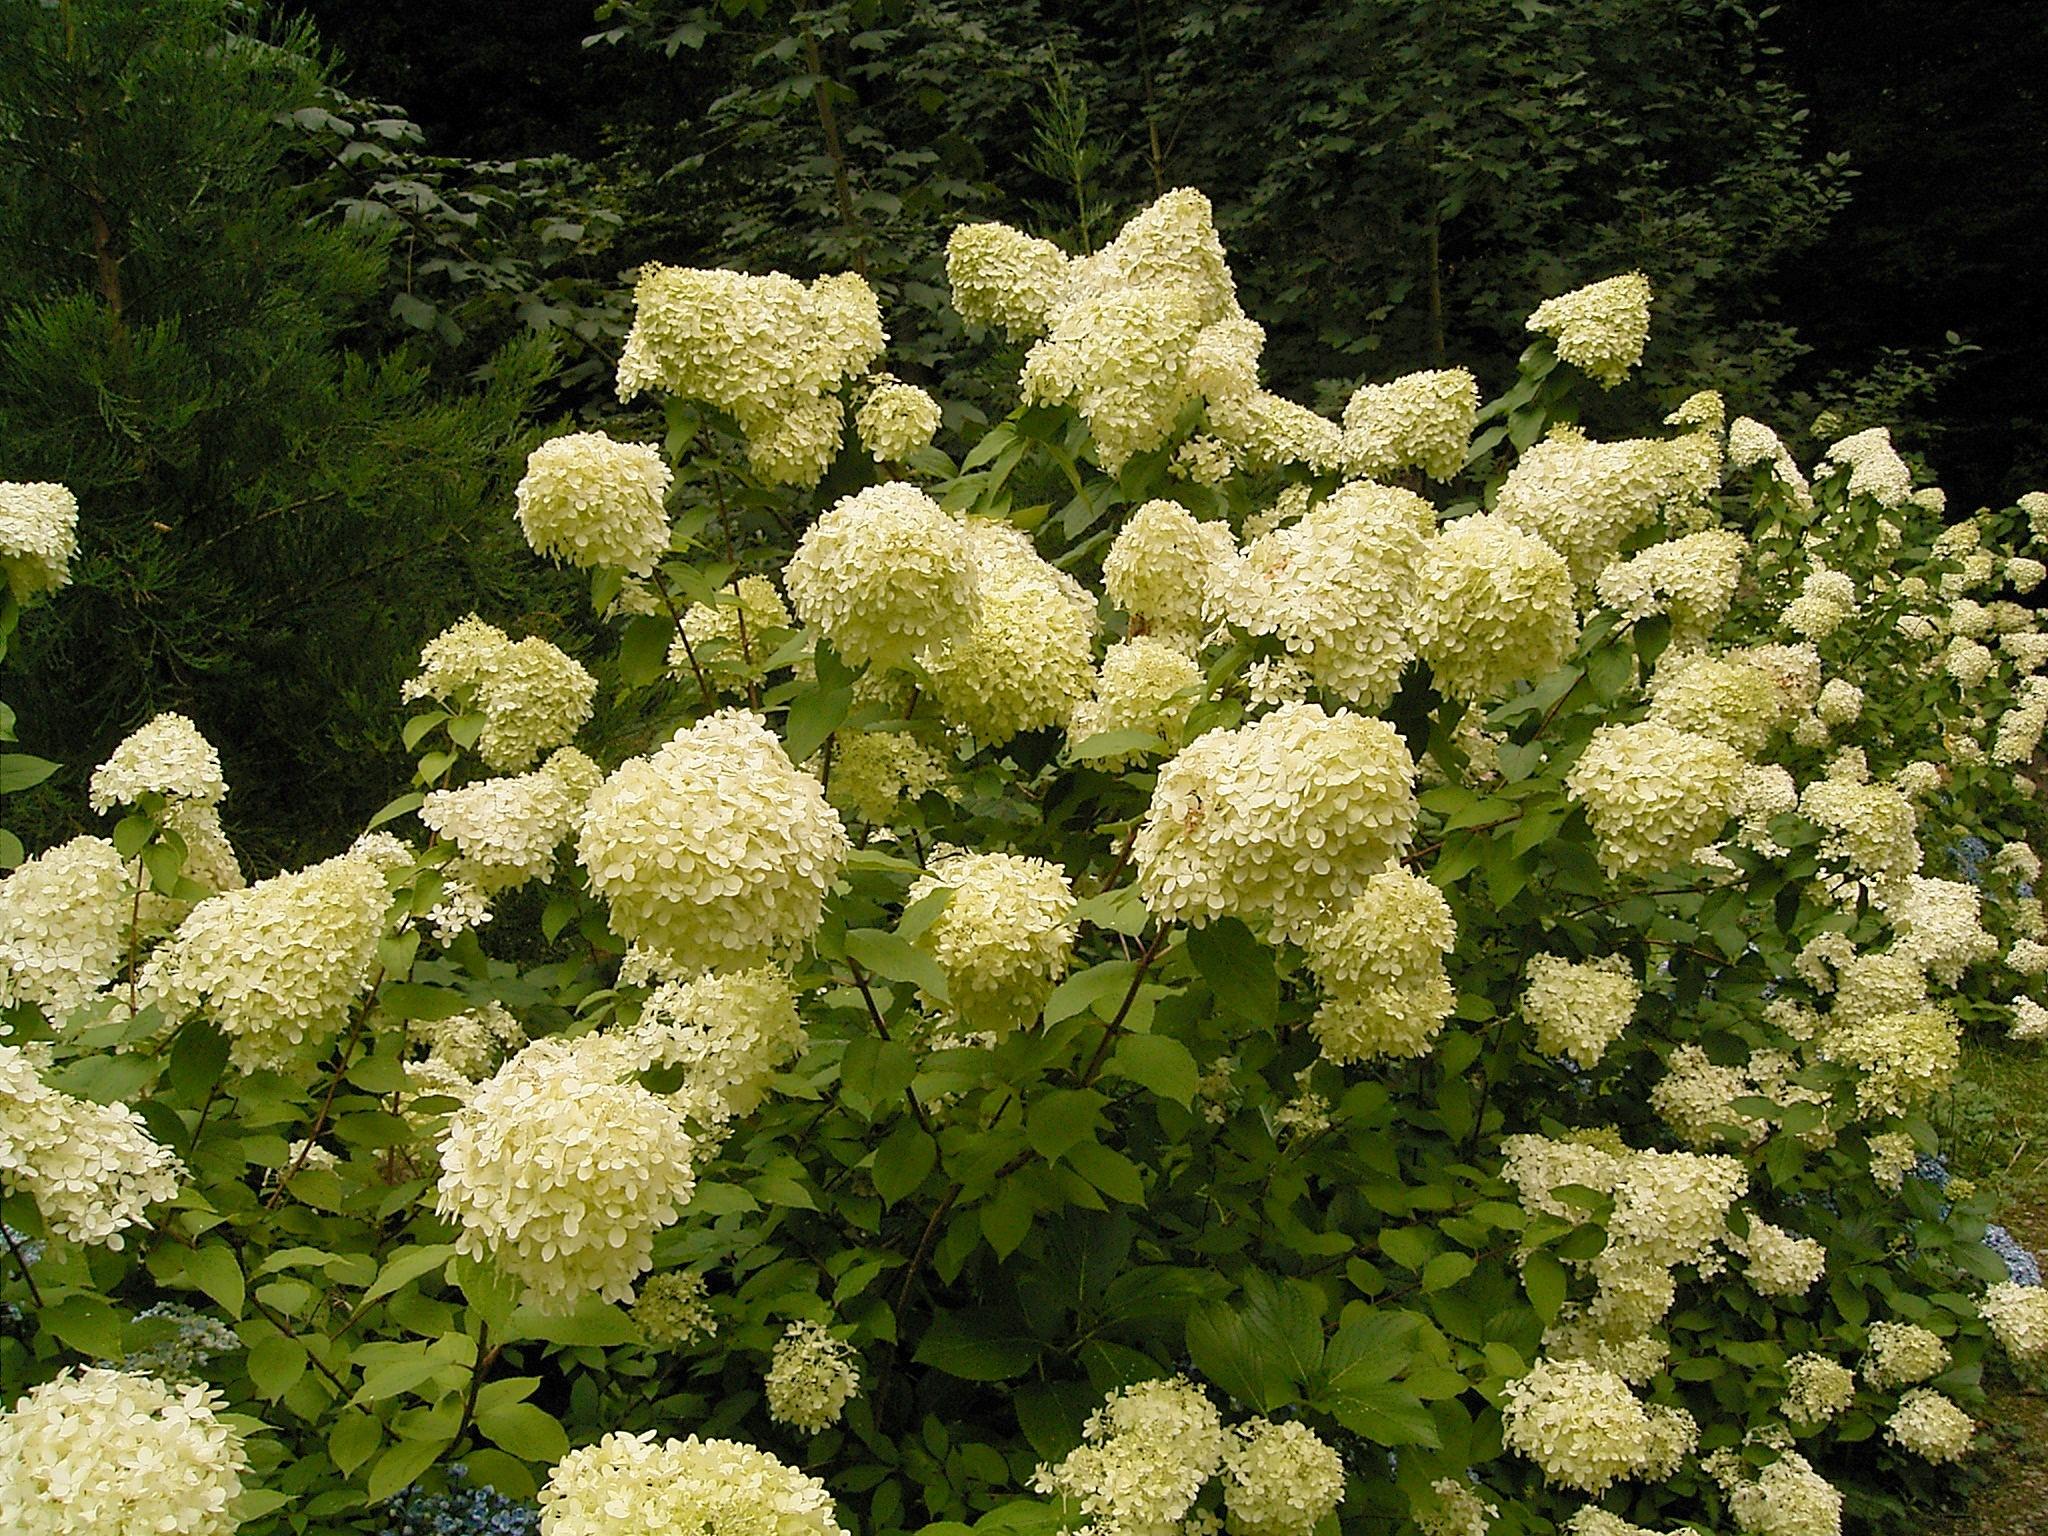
(2021, 1265)
(466, 1509)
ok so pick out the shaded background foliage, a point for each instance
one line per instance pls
(368, 255)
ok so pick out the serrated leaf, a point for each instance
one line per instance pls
(978, 1344)
(895, 958)
(1158, 1062)
(528, 1432)
(1239, 970)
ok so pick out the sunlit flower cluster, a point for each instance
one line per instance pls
(65, 917)
(93, 1170)
(730, 1032)
(1145, 684)
(1600, 328)
(589, 500)
(531, 694)
(1495, 608)
(1168, 571)
(1816, 1389)
(884, 574)
(1655, 796)
(1380, 964)
(1586, 1429)
(687, 1487)
(1931, 1426)
(1146, 1454)
(811, 1378)
(506, 830)
(38, 536)
(896, 420)
(1003, 936)
(1279, 1479)
(1423, 420)
(1579, 1009)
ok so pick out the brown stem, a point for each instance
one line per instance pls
(21, 1263)
(333, 1087)
(1123, 857)
(669, 602)
(909, 1093)
(835, 152)
(1110, 1030)
(924, 1248)
(485, 1359)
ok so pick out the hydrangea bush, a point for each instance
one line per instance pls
(1136, 979)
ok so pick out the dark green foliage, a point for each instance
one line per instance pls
(271, 513)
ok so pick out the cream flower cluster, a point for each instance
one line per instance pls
(1420, 419)
(1826, 601)
(876, 773)
(562, 1168)
(471, 1043)
(166, 757)
(1903, 1354)
(2020, 728)
(811, 1378)
(93, 1170)
(1730, 698)
(896, 420)
(1579, 1008)
(1753, 445)
(1146, 684)
(1781, 1263)
(687, 1487)
(1930, 1426)
(1285, 817)
(1028, 659)
(64, 924)
(1169, 572)
(100, 1452)
(1940, 924)
(730, 1033)
(1875, 468)
(590, 500)
(726, 634)
(1279, 1479)
(1871, 828)
(1692, 579)
(1840, 703)
(1005, 279)
(1586, 1429)
(38, 536)
(1584, 498)
(531, 694)
(1654, 795)
(1455, 1509)
(1338, 587)
(674, 1309)
(1786, 1498)
(1003, 937)
(277, 965)
(1145, 1456)
(767, 350)
(1696, 1098)
(1380, 964)
(507, 829)
(1266, 431)
(715, 849)
(1495, 608)
(1816, 1389)
(1904, 1058)
(2018, 1315)
(1601, 328)
(884, 574)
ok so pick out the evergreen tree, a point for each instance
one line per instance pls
(274, 509)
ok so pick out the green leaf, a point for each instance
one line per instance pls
(1115, 744)
(903, 1161)
(1446, 1270)
(593, 1322)
(819, 710)
(643, 649)
(526, 1431)
(215, 1271)
(1610, 670)
(407, 1267)
(1109, 1171)
(1239, 970)
(84, 1323)
(979, 1344)
(400, 1466)
(276, 1364)
(1159, 1063)
(923, 912)
(417, 1000)
(1544, 1279)
(393, 809)
(1100, 988)
(1385, 1413)
(1221, 1347)
(895, 958)
(1063, 1119)
(353, 1438)
(1409, 1247)
(19, 771)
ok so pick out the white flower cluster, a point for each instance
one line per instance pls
(1579, 1008)
(1929, 1425)
(1379, 961)
(770, 351)
(1028, 659)
(277, 965)
(1005, 279)
(730, 1033)
(1146, 1454)
(674, 1309)
(1940, 924)
(1586, 1429)
(1751, 444)
(1786, 1498)
(1730, 698)
(590, 500)
(38, 536)
(687, 1487)
(1279, 1479)
(1265, 431)
(1781, 1263)
(562, 1168)
(1655, 796)
(1584, 498)
(1875, 468)
(811, 1378)
(1146, 684)
(715, 849)
(1420, 419)
(101, 1452)
(1496, 607)
(1691, 579)
(93, 1170)
(166, 757)
(1601, 328)
(65, 917)
(2018, 1315)
(1003, 936)
(1338, 587)
(1696, 1098)
(506, 830)
(2019, 729)
(1903, 1354)
(1871, 828)
(884, 574)
(726, 635)
(1826, 601)
(1455, 1509)
(1816, 1389)
(1285, 817)
(532, 695)
(1169, 572)
(1905, 1058)
(876, 773)
(896, 420)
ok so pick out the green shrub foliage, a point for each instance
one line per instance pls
(1193, 965)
